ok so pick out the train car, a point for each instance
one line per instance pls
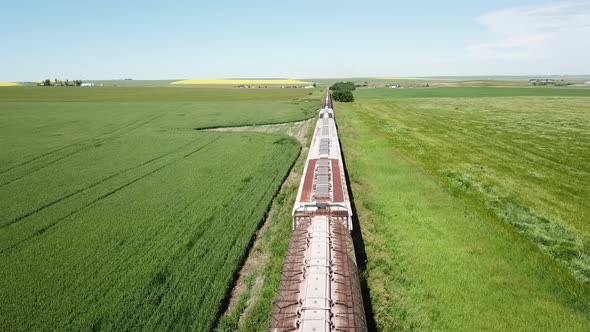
(319, 288)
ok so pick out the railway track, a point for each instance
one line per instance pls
(319, 288)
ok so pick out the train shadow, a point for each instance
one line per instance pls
(361, 254)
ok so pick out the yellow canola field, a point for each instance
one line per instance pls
(240, 82)
(9, 84)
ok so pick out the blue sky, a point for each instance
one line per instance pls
(294, 39)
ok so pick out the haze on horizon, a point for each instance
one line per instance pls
(302, 39)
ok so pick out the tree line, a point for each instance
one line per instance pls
(342, 91)
(56, 82)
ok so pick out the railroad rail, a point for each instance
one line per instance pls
(319, 288)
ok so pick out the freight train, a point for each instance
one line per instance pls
(319, 288)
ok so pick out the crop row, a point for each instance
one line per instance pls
(154, 247)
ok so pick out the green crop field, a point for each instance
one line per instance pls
(452, 81)
(474, 210)
(473, 92)
(118, 215)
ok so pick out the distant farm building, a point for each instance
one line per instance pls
(87, 84)
(309, 87)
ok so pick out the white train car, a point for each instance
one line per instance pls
(323, 185)
(320, 289)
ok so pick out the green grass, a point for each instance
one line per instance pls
(417, 82)
(148, 94)
(473, 92)
(35, 120)
(473, 210)
(120, 216)
(451, 81)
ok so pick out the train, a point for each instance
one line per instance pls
(319, 289)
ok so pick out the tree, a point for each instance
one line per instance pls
(345, 96)
(344, 86)
(342, 91)
(47, 82)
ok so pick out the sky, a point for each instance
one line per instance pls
(177, 39)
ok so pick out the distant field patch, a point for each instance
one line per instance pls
(240, 82)
(386, 93)
(412, 78)
(9, 84)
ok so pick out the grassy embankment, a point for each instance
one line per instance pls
(117, 214)
(474, 208)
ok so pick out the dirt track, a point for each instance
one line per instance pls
(296, 130)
